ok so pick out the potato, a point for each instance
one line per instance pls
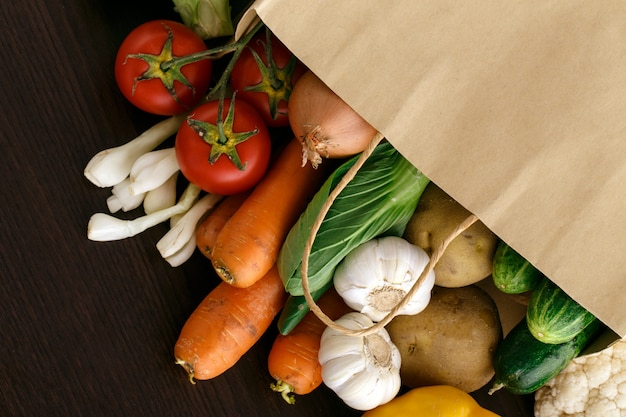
(452, 341)
(469, 257)
(512, 307)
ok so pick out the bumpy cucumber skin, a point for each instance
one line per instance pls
(523, 364)
(553, 316)
(512, 273)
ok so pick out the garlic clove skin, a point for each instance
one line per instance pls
(376, 276)
(364, 371)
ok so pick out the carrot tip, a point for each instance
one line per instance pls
(188, 368)
(286, 391)
(224, 274)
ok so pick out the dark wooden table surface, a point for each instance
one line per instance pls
(88, 328)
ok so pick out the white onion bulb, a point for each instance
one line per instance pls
(324, 123)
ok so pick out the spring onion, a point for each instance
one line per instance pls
(111, 166)
(161, 197)
(104, 227)
(152, 169)
(184, 228)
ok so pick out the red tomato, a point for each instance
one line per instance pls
(266, 84)
(139, 73)
(223, 161)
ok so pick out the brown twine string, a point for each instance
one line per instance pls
(434, 258)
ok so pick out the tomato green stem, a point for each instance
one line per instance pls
(275, 82)
(236, 47)
(220, 87)
(222, 139)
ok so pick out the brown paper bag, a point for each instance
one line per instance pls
(516, 109)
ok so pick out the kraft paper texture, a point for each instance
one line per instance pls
(517, 109)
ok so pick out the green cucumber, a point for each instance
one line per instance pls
(523, 364)
(512, 273)
(553, 316)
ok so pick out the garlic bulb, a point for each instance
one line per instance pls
(375, 276)
(364, 371)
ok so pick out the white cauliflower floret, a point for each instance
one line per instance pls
(590, 386)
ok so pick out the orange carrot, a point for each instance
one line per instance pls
(249, 243)
(226, 324)
(292, 360)
(212, 224)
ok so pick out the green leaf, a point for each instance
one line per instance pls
(207, 18)
(296, 308)
(378, 201)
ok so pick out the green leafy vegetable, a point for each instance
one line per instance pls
(378, 201)
(296, 308)
(208, 18)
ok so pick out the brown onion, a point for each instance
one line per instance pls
(325, 125)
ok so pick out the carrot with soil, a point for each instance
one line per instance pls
(292, 360)
(212, 224)
(226, 324)
(248, 245)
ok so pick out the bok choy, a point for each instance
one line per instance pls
(378, 201)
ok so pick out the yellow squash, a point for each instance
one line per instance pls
(431, 401)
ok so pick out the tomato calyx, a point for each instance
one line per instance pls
(221, 137)
(164, 66)
(275, 81)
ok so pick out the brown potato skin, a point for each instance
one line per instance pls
(452, 341)
(468, 258)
